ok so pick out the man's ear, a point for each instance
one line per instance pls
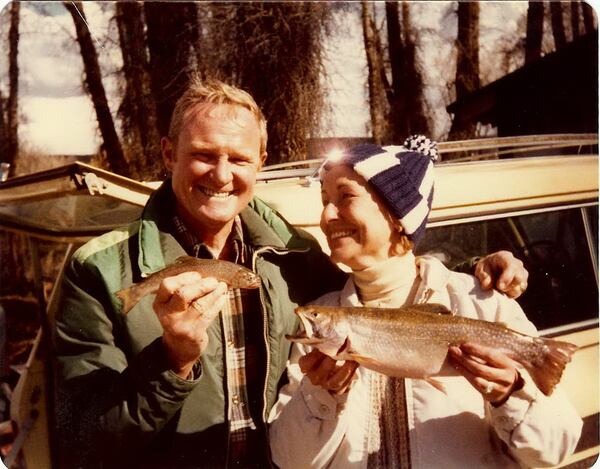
(263, 158)
(168, 152)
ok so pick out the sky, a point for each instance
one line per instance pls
(58, 118)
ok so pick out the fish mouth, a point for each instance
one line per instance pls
(306, 334)
(255, 283)
(302, 338)
(252, 281)
(214, 193)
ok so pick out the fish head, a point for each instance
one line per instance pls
(247, 279)
(321, 329)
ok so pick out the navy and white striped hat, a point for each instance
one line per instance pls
(402, 175)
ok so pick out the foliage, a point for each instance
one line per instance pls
(274, 51)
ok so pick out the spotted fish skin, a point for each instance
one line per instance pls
(413, 341)
(234, 275)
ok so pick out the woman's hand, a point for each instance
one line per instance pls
(324, 371)
(488, 370)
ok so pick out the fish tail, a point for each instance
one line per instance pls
(556, 355)
(127, 299)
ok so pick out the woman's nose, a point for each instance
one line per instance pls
(330, 212)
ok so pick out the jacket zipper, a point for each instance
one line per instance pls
(228, 384)
(265, 338)
(265, 318)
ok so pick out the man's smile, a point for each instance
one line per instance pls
(213, 193)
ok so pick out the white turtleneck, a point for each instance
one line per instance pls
(390, 283)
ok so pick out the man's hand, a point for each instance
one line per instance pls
(503, 271)
(186, 305)
(324, 371)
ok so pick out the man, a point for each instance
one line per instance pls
(174, 383)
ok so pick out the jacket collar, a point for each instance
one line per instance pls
(434, 278)
(158, 247)
(434, 275)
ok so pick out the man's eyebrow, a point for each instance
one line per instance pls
(203, 146)
(211, 148)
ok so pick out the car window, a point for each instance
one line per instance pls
(554, 247)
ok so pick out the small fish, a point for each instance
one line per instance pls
(234, 275)
(413, 341)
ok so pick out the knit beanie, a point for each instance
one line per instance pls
(402, 176)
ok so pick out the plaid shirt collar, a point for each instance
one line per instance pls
(194, 247)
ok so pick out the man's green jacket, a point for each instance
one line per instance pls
(117, 403)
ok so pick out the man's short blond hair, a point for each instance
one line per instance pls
(215, 92)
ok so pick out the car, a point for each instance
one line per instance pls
(492, 195)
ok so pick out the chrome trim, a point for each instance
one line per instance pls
(590, 241)
(513, 213)
(569, 328)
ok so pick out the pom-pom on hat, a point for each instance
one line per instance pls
(402, 176)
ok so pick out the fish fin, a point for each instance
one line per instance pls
(432, 308)
(437, 384)
(127, 300)
(370, 363)
(547, 374)
(349, 355)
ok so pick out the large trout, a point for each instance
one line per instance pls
(413, 341)
(234, 275)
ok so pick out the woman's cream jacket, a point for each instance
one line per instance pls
(312, 428)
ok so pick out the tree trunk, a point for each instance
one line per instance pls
(93, 81)
(558, 27)
(575, 13)
(535, 31)
(138, 108)
(377, 95)
(588, 17)
(467, 62)
(406, 100)
(13, 250)
(417, 121)
(169, 39)
(3, 129)
(397, 94)
(12, 117)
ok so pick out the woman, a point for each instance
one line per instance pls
(376, 201)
